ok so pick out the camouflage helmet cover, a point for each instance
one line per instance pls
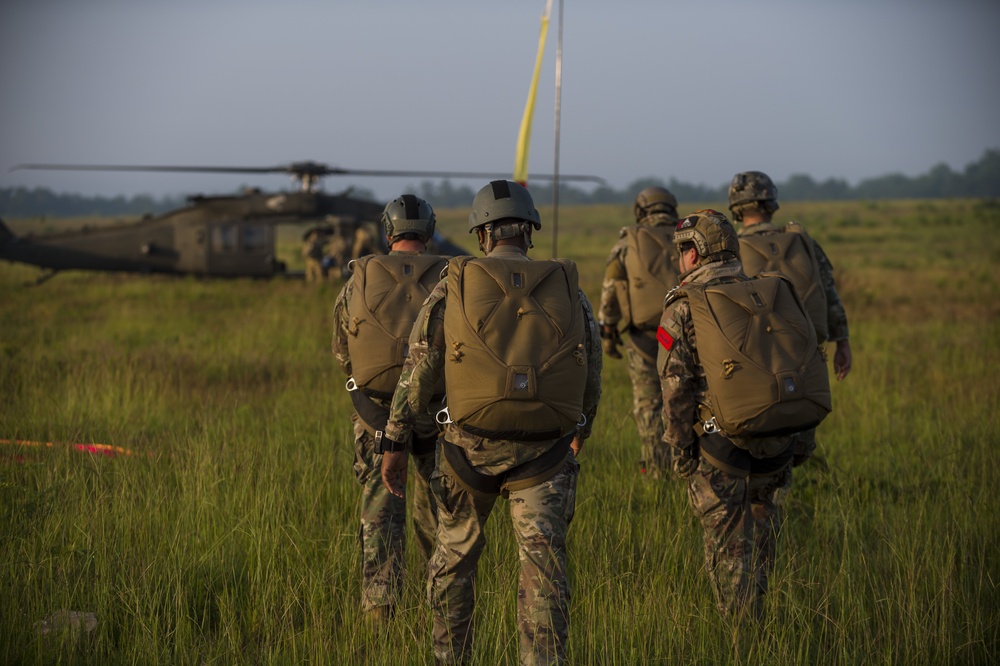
(750, 186)
(711, 233)
(503, 199)
(654, 200)
(408, 214)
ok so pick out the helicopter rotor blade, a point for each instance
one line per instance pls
(467, 174)
(311, 170)
(135, 167)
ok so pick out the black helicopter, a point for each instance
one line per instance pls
(220, 236)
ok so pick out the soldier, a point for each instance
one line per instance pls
(373, 315)
(312, 252)
(641, 269)
(338, 252)
(720, 413)
(764, 246)
(518, 346)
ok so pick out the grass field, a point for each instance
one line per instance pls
(226, 532)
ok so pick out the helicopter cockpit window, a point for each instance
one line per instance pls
(225, 238)
(255, 239)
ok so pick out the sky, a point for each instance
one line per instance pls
(695, 91)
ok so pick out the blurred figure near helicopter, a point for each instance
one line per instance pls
(348, 240)
(312, 252)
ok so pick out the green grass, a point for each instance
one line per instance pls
(229, 535)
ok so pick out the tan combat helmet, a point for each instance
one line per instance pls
(711, 233)
(654, 200)
(750, 187)
(408, 214)
(503, 200)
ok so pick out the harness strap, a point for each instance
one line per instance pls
(526, 475)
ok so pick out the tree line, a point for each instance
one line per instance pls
(978, 179)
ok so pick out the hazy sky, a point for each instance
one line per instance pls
(693, 90)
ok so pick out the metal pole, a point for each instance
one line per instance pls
(555, 171)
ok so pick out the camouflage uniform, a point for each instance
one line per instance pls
(805, 441)
(540, 514)
(640, 353)
(731, 492)
(338, 257)
(312, 252)
(383, 515)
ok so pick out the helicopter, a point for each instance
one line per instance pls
(219, 235)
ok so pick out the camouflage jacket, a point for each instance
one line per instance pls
(683, 382)
(615, 274)
(425, 365)
(341, 322)
(836, 315)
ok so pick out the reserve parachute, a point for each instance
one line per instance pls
(792, 255)
(765, 371)
(515, 366)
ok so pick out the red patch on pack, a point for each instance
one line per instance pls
(665, 338)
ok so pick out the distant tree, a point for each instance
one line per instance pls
(979, 179)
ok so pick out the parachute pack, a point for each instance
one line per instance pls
(765, 371)
(651, 264)
(791, 254)
(515, 366)
(387, 295)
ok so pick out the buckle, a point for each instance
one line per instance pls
(710, 426)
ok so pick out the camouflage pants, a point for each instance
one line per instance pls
(383, 522)
(647, 410)
(741, 522)
(541, 517)
(314, 270)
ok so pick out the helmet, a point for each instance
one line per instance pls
(654, 200)
(408, 214)
(712, 234)
(750, 186)
(503, 199)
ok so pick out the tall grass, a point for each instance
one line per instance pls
(228, 534)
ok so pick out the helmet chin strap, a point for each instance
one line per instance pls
(491, 233)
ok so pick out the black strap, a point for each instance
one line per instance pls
(515, 435)
(488, 484)
(374, 415)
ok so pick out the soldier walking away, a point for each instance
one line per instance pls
(518, 346)
(741, 370)
(373, 316)
(312, 252)
(789, 250)
(641, 269)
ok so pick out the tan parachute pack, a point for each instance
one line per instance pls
(651, 264)
(387, 294)
(765, 371)
(791, 254)
(515, 366)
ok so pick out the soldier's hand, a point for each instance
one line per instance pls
(394, 472)
(611, 348)
(576, 445)
(685, 461)
(842, 359)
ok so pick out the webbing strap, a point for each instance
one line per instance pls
(531, 473)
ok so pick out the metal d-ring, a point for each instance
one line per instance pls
(447, 416)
